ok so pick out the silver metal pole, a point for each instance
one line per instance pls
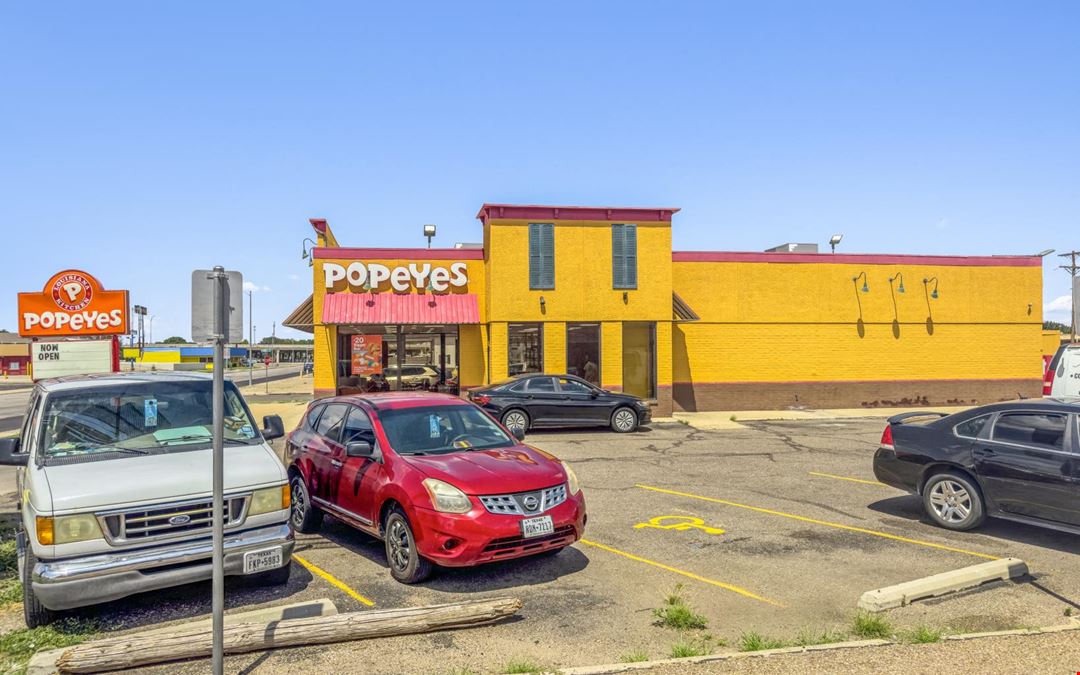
(251, 340)
(221, 313)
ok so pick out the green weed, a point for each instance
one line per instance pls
(636, 656)
(18, 646)
(923, 635)
(681, 650)
(522, 668)
(755, 642)
(825, 637)
(675, 613)
(868, 626)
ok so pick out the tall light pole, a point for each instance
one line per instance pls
(152, 316)
(1072, 268)
(251, 340)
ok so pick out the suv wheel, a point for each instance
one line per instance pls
(34, 613)
(623, 420)
(405, 562)
(305, 516)
(953, 501)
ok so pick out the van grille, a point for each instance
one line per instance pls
(169, 520)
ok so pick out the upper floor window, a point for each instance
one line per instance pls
(624, 256)
(541, 256)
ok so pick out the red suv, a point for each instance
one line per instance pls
(434, 477)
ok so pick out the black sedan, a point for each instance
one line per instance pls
(1018, 460)
(529, 401)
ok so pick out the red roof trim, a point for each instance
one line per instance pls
(858, 258)
(318, 224)
(544, 213)
(399, 253)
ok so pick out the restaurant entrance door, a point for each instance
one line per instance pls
(397, 357)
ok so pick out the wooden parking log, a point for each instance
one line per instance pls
(140, 650)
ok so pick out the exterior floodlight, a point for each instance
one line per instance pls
(834, 240)
(429, 232)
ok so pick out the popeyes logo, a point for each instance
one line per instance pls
(73, 303)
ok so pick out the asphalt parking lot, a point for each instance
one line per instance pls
(777, 528)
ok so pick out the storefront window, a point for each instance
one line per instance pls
(639, 359)
(583, 351)
(525, 348)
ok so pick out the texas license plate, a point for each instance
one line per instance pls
(537, 527)
(261, 561)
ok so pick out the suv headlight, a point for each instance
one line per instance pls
(268, 500)
(67, 529)
(572, 483)
(445, 497)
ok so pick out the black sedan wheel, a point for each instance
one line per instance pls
(953, 502)
(623, 420)
(516, 420)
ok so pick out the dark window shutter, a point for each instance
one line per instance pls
(630, 255)
(624, 256)
(618, 263)
(541, 255)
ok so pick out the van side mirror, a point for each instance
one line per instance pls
(359, 449)
(9, 453)
(273, 427)
(518, 433)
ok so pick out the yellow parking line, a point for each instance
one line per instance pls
(849, 478)
(839, 526)
(727, 587)
(332, 580)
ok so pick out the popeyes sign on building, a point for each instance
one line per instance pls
(368, 276)
(73, 303)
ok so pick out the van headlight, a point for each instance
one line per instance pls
(268, 500)
(67, 529)
(445, 497)
(572, 483)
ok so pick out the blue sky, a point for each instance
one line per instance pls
(139, 141)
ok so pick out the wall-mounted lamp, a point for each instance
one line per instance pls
(306, 251)
(543, 304)
(900, 276)
(625, 297)
(927, 282)
(834, 240)
(368, 287)
(429, 232)
(430, 288)
(865, 285)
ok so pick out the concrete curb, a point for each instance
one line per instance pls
(1074, 624)
(952, 581)
(44, 663)
(709, 658)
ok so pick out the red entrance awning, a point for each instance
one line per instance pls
(394, 308)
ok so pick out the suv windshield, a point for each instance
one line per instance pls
(140, 418)
(433, 430)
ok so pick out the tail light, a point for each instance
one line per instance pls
(886, 436)
(1048, 381)
(481, 399)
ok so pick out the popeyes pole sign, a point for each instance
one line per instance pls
(73, 303)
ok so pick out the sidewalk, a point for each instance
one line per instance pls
(730, 419)
(300, 385)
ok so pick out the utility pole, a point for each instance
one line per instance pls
(1072, 268)
(251, 341)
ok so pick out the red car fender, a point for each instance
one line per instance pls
(394, 492)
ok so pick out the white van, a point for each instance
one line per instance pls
(1062, 377)
(115, 489)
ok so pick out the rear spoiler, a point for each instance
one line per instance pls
(899, 419)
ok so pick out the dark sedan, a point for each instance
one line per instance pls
(1018, 460)
(529, 401)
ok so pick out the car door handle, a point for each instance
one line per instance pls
(336, 463)
(983, 452)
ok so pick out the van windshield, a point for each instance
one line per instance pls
(435, 430)
(140, 418)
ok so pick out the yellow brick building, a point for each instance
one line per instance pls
(598, 292)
